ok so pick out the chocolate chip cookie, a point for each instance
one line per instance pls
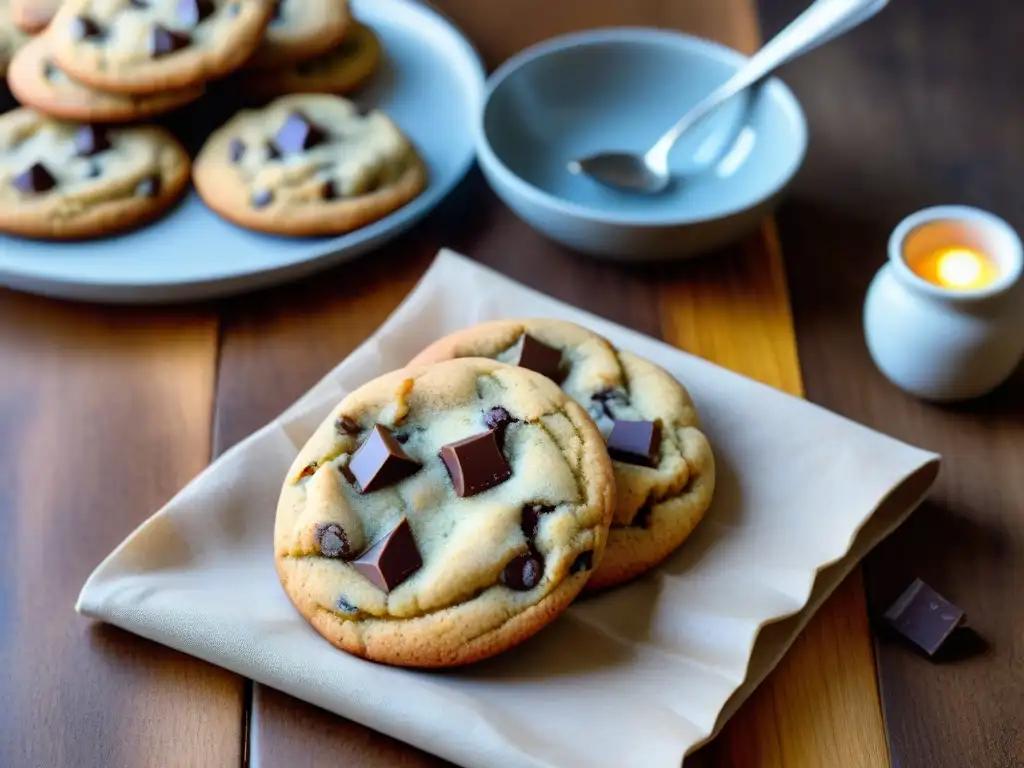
(37, 81)
(300, 30)
(664, 468)
(145, 46)
(341, 70)
(442, 514)
(32, 16)
(11, 38)
(308, 164)
(63, 180)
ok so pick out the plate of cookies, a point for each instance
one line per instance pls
(170, 150)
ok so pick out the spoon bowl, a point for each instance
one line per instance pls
(618, 88)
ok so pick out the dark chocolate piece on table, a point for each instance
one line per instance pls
(191, 12)
(164, 41)
(476, 463)
(332, 541)
(523, 572)
(236, 150)
(261, 198)
(84, 28)
(924, 617)
(380, 461)
(391, 560)
(34, 179)
(583, 562)
(297, 134)
(148, 187)
(537, 356)
(347, 425)
(635, 442)
(91, 140)
(531, 519)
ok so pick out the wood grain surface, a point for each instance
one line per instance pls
(922, 107)
(104, 414)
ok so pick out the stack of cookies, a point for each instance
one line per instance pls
(449, 510)
(253, 86)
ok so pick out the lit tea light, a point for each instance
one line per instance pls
(944, 318)
(957, 268)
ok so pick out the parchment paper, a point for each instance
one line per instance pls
(637, 677)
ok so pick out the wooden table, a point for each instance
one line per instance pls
(105, 413)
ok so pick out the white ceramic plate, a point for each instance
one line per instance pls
(431, 83)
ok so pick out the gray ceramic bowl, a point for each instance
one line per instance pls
(621, 89)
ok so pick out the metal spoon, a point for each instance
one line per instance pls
(648, 173)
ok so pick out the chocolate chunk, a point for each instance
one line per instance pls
(347, 426)
(402, 437)
(583, 562)
(635, 442)
(261, 198)
(380, 461)
(642, 518)
(924, 617)
(91, 140)
(497, 418)
(391, 560)
(523, 573)
(531, 519)
(191, 12)
(236, 150)
(344, 606)
(308, 470)
(332, 541)
(84, 28)
(298, 134)
(329, 191)
(148, 187)
(537, 356)
(164, 41)
(34, 179)
(476, 463)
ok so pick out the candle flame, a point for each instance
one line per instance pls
(960, 268)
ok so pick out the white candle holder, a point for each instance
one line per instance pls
(938, 341)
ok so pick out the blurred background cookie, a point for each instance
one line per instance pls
(37, 81)
(341, 70)
(11, 38)
(300, 30)
(308, 164)
(64, 180)
(156, 45)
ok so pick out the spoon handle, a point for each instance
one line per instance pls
(821, 22)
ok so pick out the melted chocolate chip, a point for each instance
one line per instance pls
(91, 140)
(497, 418)
(329, 191)
(523, 572)
(261, 198)
(308, 470)
(84, 28)
(34, 179)
(347, 426)
(190, 12)
(344, 606)
(148, 187)
(583, 562)
(164, 41)
(608, 397)
(298, 134)
(531, 519)
(642, 518)
(391, 560)
(402, 438)
(332, 541)
(236, 150)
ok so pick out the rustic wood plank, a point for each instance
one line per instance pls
(905, 113)
(104, 414)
